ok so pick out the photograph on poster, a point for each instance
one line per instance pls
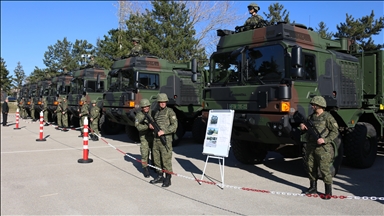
(214, 119)
(211, 141)
(212, 131)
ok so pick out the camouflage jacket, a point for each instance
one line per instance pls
(32, 106)
(136, 50)
(95, 113)
(253, 20)
(45, 104)
(141, 123)
(166, 119)
(327, 127)
(64, 106)
(84, 110)
(59, 107)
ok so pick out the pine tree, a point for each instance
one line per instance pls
(166, 32)
(323, 31)
(361, 30)
(277, 13)
(5, 78)
(19, 76)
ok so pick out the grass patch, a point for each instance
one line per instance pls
(12, 107)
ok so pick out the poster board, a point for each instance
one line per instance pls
(217, 140)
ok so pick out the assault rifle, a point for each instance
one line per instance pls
(156, 129)
(309, 124)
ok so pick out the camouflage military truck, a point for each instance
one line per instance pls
(43, 89)
(24, 93)
(88, 82)
(60, 86)
(135, 78)
(33, 92)
(267, 74)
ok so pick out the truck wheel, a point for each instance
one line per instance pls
(132, 133)
(248, 152)
(198, 130)
(360, 145)
(107, 127)
(178, 135)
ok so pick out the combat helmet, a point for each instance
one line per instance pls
(254, 6)
(319, 100)
(162, 97)
(136, 39)
(83, 99)
(144, 103)
(93, 101)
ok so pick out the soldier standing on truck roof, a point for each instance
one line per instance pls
(165, 117)
(94, 117)
(137, 49)
(320, 152)
(254, 20)
(83, 113)
(145, 133)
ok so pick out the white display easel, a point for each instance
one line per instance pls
(217, 140)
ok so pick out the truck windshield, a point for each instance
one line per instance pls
(262, 65)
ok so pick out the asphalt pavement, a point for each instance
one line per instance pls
(45, 178)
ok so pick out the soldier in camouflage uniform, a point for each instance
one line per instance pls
(44, 103)
(137, 49)
(146, 134)
(254, 20)
(162, 154)
(32, 109)
(23, 113)
(94, 118)
(83, 113)
(58, 112)
(320, 152)
(64, 111)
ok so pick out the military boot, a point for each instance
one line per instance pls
(81, 135)
(328, 191)
(158, 179)
(146, 172)
(312, 188)
(167, 180)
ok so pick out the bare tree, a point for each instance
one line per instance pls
(206, 17)
(209, 16)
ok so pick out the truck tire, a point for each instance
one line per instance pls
(336, 162)
(107, 127)
(132, 133)
(248, 152)
(178, 135)
(198, 130)
(360, 145)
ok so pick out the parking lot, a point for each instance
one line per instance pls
(45, 178)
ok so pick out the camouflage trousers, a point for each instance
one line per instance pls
(59, 117)
(64, 120)
(146, 146)
(95, 126)
(33, 114)
(162, 155)
(23, 113)
(46, 116)
(82, 123)
(320, 157)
